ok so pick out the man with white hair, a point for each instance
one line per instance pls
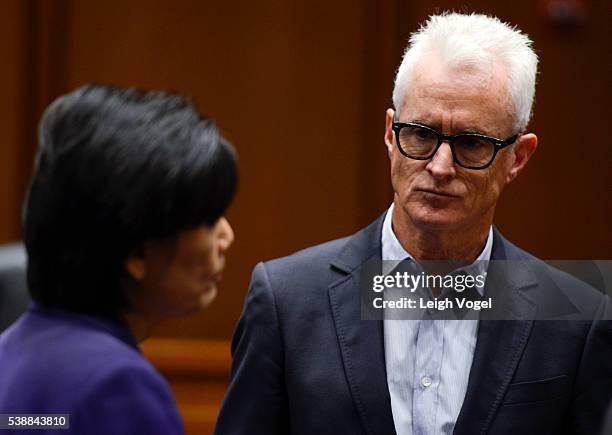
(307, 361)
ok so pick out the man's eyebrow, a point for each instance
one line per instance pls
(475, 130)
(470, 129)
(425, 123)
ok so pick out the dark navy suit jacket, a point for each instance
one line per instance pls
(57, 362)
(304, 363)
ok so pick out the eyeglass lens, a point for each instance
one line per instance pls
(420, 143)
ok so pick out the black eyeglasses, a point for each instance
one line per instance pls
(470, 150)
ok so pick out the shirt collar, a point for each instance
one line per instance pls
(392, 249)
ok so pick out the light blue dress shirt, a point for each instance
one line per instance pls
(428, 361)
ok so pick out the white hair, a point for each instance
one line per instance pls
(479, 41)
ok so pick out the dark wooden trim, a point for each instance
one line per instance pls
(383, 45)
(45, 44)
(29, 48)
(177, 357)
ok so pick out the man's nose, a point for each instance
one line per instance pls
(226, 234)
(442, 164)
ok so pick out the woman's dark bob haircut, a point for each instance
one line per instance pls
(115, 168)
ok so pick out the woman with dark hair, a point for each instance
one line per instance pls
(123, 227)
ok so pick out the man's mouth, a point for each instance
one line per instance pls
(438, 192)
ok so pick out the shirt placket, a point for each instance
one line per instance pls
(428, 359)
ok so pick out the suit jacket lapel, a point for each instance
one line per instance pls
(361, 341)
(500, 343)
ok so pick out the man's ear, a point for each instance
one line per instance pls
(136, 265)
(522, 152)
(389, 131)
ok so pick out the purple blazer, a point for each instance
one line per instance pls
(54, 361)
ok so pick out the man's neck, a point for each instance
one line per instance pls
(462, 244)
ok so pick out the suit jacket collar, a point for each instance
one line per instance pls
(360, 247)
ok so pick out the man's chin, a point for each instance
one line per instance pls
(436, 221)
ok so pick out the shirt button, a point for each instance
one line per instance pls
(426, 381)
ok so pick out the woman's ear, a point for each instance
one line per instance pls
(135, 264)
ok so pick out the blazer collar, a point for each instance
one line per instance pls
(360, 247)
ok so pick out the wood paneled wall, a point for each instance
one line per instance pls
(12, 107)
(300, 87)
(197, 371)
(284, 82)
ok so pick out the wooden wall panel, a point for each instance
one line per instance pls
(32, 46)
(284, 80)
(382, 54)
(197, 371)
(12, 108)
